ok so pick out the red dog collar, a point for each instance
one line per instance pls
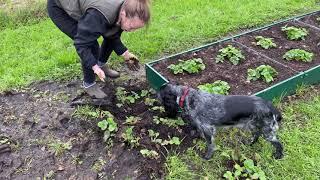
(183, 97)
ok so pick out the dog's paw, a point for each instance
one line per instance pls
(207, 156)
(278, 155)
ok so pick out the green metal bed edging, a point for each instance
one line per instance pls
(283, 88)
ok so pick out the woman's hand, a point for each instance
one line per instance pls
(131, 60)
(98, 71)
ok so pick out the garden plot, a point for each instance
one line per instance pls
(236, 75)
(302, 43)
(50, 139)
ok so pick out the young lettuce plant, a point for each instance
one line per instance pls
(218, 87)
(191, 66)
(265, 43)
(230, 53)
(265, 72)
(298, 55)
(294, 33)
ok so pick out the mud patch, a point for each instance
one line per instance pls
(48, 139)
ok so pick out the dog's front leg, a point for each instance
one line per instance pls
(209, 132)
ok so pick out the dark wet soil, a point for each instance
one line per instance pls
(34, 118)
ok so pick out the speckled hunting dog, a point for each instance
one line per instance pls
(208, 111)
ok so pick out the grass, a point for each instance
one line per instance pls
(40, 51)
(299, 134)
(23, 12)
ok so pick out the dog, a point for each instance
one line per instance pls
(207, 111)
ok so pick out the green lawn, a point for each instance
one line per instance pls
(299, 133)
(36, 52)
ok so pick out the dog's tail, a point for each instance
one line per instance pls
(274, 111)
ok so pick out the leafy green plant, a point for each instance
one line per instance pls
(230, 53)
(298, 55)
(149, 101)
(218, 87)
(294, 33)
(149, 153)
(158, 108)
(171, 141)
(59, 147)
(129, 138)
(191, 66)
(265, 43)
(247, 171)
(265, 72)
(169, 122)
(131, 120)
(125, 97)
(110, 127)
(154, 136)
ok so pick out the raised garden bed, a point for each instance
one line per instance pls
(290, 73)
(235, 75)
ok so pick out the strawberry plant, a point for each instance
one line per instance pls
(191, 66)
(149, 153)
(158, 108)
(265, 43)
(298, 55)
(131, 120)
(171, 141)
(265, 72)
(154, 136)
(110, 127)
(149, 101)
(218, 87)
(294, 33)
(230, 53)
(125, 97)
(129, 138)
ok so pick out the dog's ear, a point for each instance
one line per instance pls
(170, 105)
(168, 100)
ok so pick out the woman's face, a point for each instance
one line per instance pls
(130, 23)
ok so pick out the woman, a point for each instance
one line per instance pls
(85, 21)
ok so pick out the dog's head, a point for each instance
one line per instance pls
(168, 97)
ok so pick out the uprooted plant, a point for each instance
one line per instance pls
(264, 72)
(191, 66)
(230, 53)
(265, 43)
(218, 87)
(298, 55)
(294, 33)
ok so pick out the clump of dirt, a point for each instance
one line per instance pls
(48, 139)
